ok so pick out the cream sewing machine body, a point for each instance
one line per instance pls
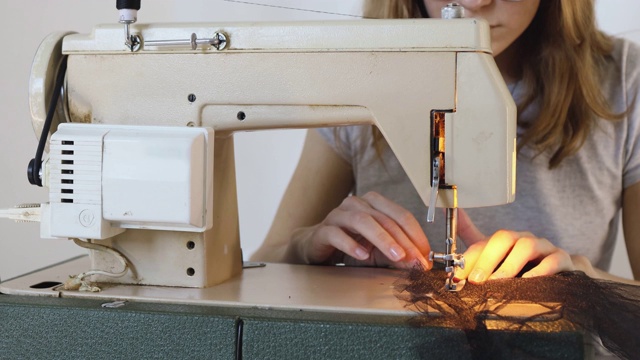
(421, 82)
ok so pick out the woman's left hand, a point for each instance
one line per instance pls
(506, 253)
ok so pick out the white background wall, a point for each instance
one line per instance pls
(265, 160)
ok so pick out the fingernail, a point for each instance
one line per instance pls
(477, 276)
(397, 253)
(361, 253)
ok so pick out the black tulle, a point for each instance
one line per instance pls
(607, 309)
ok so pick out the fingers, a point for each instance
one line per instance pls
(556, 262)
(389, 227)
(506, 254)
(402, 217)
(527, 248)
(377, 259)
(362, 222)
(377, 231)
(402, 226)
(325, 240)
(487, 255)
(471, 256)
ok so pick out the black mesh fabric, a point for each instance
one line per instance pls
(607, 309)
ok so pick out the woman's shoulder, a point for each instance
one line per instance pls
(344, 133)
(346, 140)
(626, 58)
(620, 75)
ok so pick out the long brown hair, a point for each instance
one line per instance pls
(562, 54)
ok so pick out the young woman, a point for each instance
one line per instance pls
(578, 170)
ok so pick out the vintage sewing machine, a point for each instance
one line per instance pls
(422, 92)
(141, 160)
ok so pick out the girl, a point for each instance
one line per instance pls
(578, 166)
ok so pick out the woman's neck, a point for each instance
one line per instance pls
(509, 63)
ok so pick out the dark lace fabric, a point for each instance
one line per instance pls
(607, 309)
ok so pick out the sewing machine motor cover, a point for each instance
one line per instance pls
(106, 178)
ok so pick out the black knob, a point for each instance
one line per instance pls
(33, 173)
(128, 4)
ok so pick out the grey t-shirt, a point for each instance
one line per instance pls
(576, 206)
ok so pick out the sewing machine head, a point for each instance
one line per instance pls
(421, 82)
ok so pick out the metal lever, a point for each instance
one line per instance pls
(435, 185)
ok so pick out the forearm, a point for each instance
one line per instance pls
(583, 264)
(320, 183)
(290, 251)
(601, 274)
(270, 253)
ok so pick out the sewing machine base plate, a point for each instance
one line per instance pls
(298, 317)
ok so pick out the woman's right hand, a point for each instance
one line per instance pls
(364, 231)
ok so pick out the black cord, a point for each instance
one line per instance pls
(35, 165)
(239, 336)
(422, 8)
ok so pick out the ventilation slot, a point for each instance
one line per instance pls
(67, 163)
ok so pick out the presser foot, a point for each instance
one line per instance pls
(450, 285)
(451, 262)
